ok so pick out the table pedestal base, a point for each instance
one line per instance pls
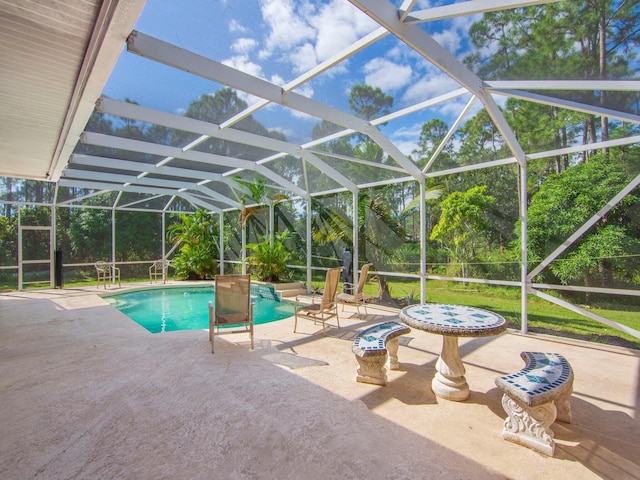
(449, 382)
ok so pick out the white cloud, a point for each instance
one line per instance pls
(303, 58)
(431, 85)
(406, 138)
(286, 28)
(406, 146)
(410, 131)
(386, 75)
(449, 39)
(242, 63)
(338, 25)
(452, 108)
(244, 45)
(395, 54)
(287, 132)
(456, 39)
(235, 27)
(306, 90)
(305, 34)
(278, 80)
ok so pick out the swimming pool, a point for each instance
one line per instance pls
(185, 308)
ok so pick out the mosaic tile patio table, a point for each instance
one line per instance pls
(452, 321)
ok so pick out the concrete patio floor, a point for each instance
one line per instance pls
(86, 393)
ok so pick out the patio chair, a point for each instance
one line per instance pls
(358, 297)
(159, 269)
(233, 307)
(327, 308)
(107, 272)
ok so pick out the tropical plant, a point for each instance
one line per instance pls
(380, 233)
(270, 256)
(197, 257)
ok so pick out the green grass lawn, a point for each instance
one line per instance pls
(543, 315)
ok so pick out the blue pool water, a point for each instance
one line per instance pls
(185, 308)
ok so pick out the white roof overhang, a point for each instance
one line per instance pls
(56, 58)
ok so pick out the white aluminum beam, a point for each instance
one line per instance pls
(140, 168)
(472, 7)
(346, 158)
(217, 196)
(106, 162)
(382, 183)
(328, 138)
(142, 200)
(179, 122)
(445, 97)
(176, 57)
(314, 72)
(387, 15)
(583, 148)
(578, 288)
(405, 9)
(449, 134)
(72, 173)
(607, 85)
(206, 129)
(115, 187)
(168, 54)
(570, 105)
(109, 141)
(534, 156)
(467, 168)
(392, 116)
(199, 202)
(324, 168)
(80, 198)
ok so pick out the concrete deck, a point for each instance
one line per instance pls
(86, 393)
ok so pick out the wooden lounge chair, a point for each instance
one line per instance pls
(158, 270)
(107, 273)
(327, 308)
(358, 297)
(233, 306)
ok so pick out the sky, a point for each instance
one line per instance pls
(278, 40)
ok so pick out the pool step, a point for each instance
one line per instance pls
(287, 290)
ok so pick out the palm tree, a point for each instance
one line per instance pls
(380, 233)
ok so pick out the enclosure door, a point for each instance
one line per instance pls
(35, 256)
